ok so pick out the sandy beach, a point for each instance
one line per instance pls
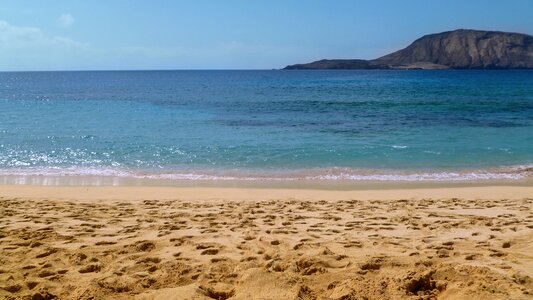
(238, 243)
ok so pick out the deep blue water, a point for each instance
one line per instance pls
(330, 124)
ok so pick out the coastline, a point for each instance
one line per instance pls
(322, 179)
(151, 154)
(250, 193)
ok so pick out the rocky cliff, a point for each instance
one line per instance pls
(458, 49)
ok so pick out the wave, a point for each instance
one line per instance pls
(331, 174)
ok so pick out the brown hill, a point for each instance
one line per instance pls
(458, 49)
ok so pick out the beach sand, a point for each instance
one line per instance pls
(238, 243)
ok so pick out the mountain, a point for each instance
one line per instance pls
(458, 49)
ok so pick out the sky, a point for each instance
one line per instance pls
(230, 34)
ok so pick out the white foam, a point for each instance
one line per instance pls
(65, 172)
(334, 174)
(444, 176)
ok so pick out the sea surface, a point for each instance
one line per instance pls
(267, 125)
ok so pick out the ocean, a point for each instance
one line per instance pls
(375, 125)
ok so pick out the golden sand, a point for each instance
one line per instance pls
(236, 243)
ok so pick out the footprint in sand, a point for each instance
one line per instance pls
(211, 251)
(144, 246)
(90, 268)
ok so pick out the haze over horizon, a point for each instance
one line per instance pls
(236, 34)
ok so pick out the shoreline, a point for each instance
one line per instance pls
(137, 193)
(335, 179)
(95, 176)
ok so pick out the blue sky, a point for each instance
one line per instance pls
(229, 34)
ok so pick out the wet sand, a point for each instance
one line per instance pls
(235, 243)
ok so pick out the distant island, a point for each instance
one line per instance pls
(458, 49)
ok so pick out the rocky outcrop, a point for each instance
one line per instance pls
(458, 49)
(344, 64)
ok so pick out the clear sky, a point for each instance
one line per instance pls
(230, 34)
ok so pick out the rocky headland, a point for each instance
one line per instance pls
(458, 49)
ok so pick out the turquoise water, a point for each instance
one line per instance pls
(351, 125)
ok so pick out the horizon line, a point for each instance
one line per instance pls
(135, 70)
(272, 69)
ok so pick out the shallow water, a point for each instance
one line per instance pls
(268, 125)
